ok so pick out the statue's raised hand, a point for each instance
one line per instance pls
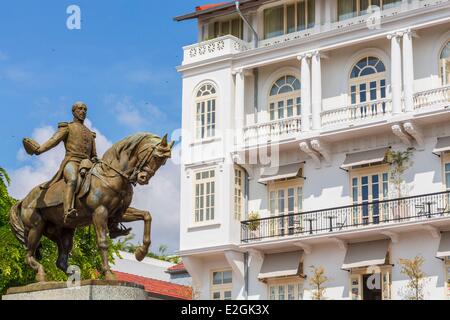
(31, 146)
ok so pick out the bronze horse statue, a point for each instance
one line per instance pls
(103, 200)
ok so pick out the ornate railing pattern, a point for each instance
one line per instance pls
(437, 97)
(272, 131)
(214, 48)
(408, 209)
(355, 113)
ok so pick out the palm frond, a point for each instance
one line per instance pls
(4, 177)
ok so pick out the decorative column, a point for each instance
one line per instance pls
(408, 71)
(396, 73)
(316, 91)
(306, 91)
(239, 108)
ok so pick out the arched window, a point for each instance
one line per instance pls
(284, 99)
(445, 64)
(206, 111)
(368, 81)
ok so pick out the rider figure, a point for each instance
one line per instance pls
(79, 143)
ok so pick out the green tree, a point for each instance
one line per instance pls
(13, 269)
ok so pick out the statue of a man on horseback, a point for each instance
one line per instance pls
(87, 191)
(79, 143)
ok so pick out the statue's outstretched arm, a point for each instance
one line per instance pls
(59, 136)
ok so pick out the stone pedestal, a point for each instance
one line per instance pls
(88, 290)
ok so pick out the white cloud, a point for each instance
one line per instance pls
(135, 115)
(154, 197)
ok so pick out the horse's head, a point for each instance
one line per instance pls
(139, 156)
(154, 156)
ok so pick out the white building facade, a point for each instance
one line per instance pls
(293, 120)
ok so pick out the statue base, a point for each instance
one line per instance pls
(88, 290)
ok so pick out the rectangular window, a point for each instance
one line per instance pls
(286, 202)
(351, 8)
(289, 18)
(286, 290)
(273, 22)
(353, 94)
(221, 285)
(233, 27)
(204, 196)
(206, 119)
(347, 9)
(369, 187)
(238, 192)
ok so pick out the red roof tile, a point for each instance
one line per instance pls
(177, 267)
(209, 6)
(159, 287)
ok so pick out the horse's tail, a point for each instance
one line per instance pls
(17, 223)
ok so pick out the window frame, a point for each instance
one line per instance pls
(204, 195)
(445, 80)
(221, 288)
(289, 225)
(220, 21)
(202, 129)
(369, 171)
(378, 77)
(360, 12)
(294, 95)
(239, 192)
(309, 23)
(297, 282)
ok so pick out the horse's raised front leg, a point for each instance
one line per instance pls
(100, 220)
(132, 215)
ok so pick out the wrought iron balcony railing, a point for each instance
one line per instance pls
(408, 209)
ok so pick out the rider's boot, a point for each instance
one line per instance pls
(69, 194)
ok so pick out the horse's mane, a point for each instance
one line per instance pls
(129, 146)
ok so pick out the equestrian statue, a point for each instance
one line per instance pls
(87, 191)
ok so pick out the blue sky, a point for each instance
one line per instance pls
(125, 52)
(121, 63)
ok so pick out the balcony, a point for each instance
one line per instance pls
(368, 113)
(214, 48)
(272, 131)
(422, 208)
(357, 113)
(434, 98)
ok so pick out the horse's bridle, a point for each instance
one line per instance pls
(133, 176)
(130, 179)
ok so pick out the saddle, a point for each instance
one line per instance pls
(53, 196)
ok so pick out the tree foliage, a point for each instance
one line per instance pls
(317, 280)
(13, 269)
(412, 268)
(399, 161)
